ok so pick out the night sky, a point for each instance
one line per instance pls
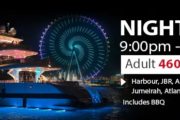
(31, 23)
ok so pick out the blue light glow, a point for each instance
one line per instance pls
(93, 92)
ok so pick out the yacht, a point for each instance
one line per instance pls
(28, 87)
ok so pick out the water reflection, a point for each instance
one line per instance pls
(106, 113)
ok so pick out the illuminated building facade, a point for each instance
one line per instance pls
(117, 77)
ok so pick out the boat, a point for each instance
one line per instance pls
(28, 87)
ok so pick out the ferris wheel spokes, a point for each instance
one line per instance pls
(89, 40)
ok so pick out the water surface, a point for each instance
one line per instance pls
(114, 112)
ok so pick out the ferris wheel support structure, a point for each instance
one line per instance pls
(77, 62)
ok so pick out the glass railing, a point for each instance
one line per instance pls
(7, 81)
(11, 46)
(25, 60)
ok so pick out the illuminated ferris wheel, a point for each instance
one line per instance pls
(77, 44)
